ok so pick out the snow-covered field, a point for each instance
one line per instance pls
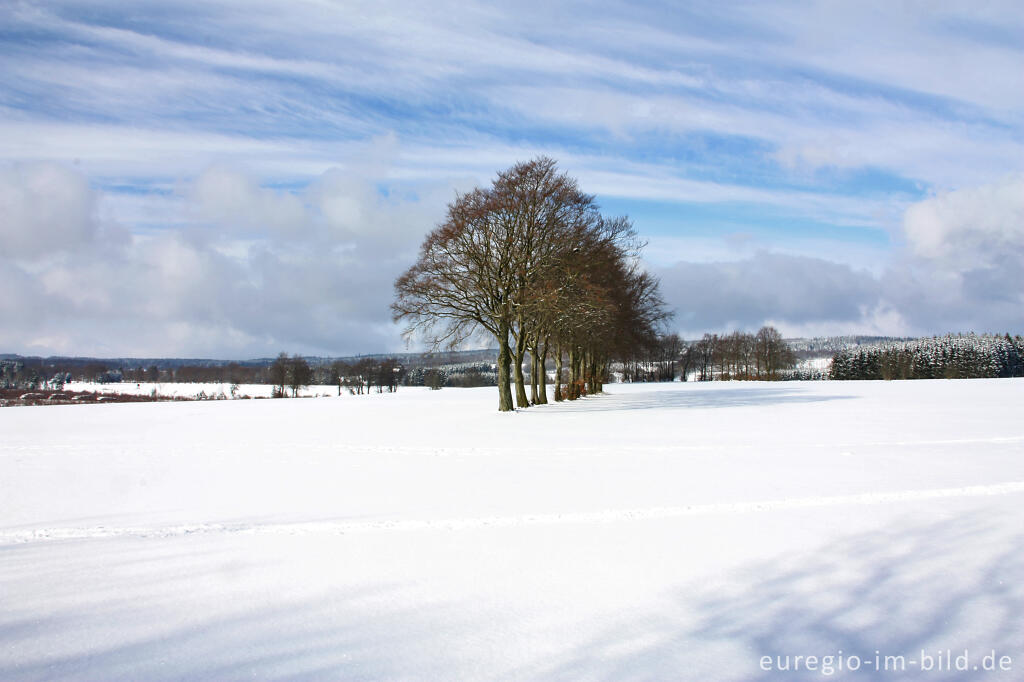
(193, 390)
(661, 532)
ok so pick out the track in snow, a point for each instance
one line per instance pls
(607, 516)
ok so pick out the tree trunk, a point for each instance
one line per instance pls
(542, 375)
(504, 360)
(534, 400)
(581, 374)
(570, 389)
(517, 370)
(591, 369)
(558, 375)
(579, 388)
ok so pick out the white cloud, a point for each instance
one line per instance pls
(827, 85)
(803, 126)
(921, 47)
(971, 227)
(372, 116)
(964, 263)
(960, 268)
(229, 199)
(113, 151)
(257, 271)
(44, 208)
(767, 287)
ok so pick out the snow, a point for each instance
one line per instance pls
(822, 364)
(672, 531)
(192, 390)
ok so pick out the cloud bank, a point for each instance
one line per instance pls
(255, 269)
(231, 179)
(959, 267)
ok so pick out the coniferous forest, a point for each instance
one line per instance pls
(969, 356)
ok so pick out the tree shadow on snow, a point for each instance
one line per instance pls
(681, 399)
(939, 587)
(349, 634)
(952, 584)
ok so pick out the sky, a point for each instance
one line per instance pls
(233, 179)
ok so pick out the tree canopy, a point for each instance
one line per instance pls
(532, 262)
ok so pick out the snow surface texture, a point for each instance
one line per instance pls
(193, 390)
(677, 531)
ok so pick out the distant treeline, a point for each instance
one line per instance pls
(763, 356)
(714, 357)
(32, 372)
(726, 357)
(668, 357)
(969, 356)
(459, 375)
(285, 373)
(294, 373)
(821, 345)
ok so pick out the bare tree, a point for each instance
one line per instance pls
(773, 354)
(461, 283)
(279, 374)
(299, 374)
(687, 360)
(532, 262)
(705, 355)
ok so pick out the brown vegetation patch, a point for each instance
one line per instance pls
(11, 397)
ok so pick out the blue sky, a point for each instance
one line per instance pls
(231, 179)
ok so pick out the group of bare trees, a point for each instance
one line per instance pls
(739, 355)
(290, 372)
(366, 374)
(359, 377)
(735, 356)
(532, 262)
(661, 360)
(231, 373)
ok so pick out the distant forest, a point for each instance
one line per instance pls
(714, 357)
(969, 356)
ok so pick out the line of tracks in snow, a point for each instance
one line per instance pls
(342, 527)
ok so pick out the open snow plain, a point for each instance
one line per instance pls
(194, 390)
(659, 532)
